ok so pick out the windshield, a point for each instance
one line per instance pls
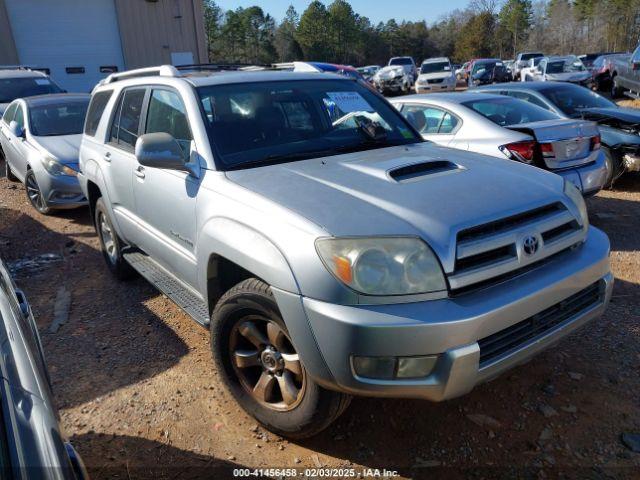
(436, 67)
(262, 123)
(64, 118)
(529, 56)
(12, 88)
(509, 111)
(565, 66)
(571, 99)
(479, 67)
(401, 61)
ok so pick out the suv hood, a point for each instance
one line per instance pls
(63, 147)
(435, 75)
(354, 194)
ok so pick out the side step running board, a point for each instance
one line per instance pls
(169, 285)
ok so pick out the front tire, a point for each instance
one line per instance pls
(34, 194)
(615, 169)
(110, 243)
(259, 366)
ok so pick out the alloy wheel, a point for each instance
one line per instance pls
(266, 363)
(34, 193)
(108, 240)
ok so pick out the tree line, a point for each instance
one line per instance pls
(486, 28)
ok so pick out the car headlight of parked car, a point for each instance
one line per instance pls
(383, 265)
(576, 197)
(54, 167)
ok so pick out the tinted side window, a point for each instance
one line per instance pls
(429, 120)
(96, 109)
(167, 114)
(126, 123)
(9, 113)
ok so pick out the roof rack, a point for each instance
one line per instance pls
(15, 67)
(161, 71)
(223, 67)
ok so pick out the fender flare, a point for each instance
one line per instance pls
(247, 248)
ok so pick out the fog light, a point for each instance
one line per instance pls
(375, 367)
(390, 368)
(415, 367)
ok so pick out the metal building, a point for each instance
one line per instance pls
(79, 42)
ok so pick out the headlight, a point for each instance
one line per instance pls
(54, 167)
(383, 266)
(576, 197)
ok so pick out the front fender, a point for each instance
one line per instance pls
(247, 248)
(91, 172)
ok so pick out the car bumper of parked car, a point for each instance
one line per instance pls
(436, 87)
(61, 191)
(461, 331)
(589, 178)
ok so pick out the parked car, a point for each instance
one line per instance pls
(32, 444)
(505, 127)
(346, 70)
(388, 266)
(527, 70)
(461, 73)
(16, 82)
(522, 60)
(40, 137)
(619, 127)
(625, 77)
(509, 65)
(368, 72)
(589, 58)
(559, 69)
(486, 71)
(601, 69)
(392, 79)
(436, 74)
(408, 64)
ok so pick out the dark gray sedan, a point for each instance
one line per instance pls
(31, 444)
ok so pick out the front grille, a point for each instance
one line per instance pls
(495, 249)
(506, 341)
(436, 80)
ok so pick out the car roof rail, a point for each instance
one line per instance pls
(15, 67)
(161, 71)
(223, 67)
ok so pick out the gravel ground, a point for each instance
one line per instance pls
(139, 397)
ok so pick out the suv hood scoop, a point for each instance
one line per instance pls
(416, 171)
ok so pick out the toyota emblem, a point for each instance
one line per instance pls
(530, 245)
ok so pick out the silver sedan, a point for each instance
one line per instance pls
(509, 128)
(40, 137)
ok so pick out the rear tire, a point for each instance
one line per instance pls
(111, 244)
(7, 171)
(261, 369)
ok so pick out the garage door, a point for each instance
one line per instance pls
(77, 40)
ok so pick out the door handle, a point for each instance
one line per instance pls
(139, 172)
(107, 157)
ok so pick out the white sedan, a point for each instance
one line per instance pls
(509, 128)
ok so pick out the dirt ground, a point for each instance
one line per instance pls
(139, 397)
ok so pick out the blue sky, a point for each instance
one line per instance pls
(376, 10)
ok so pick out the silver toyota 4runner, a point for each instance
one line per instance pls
(330, 250)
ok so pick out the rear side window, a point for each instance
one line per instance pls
(167, 114)
(10, 112)
(19, 118)
(96, 109)
(126, 123)
(430, 120)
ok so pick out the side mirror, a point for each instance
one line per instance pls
(16, 130)
(160, 150)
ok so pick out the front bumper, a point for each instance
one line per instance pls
(61, 191)
(589, 178)
(451, 327)
(435, 87)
